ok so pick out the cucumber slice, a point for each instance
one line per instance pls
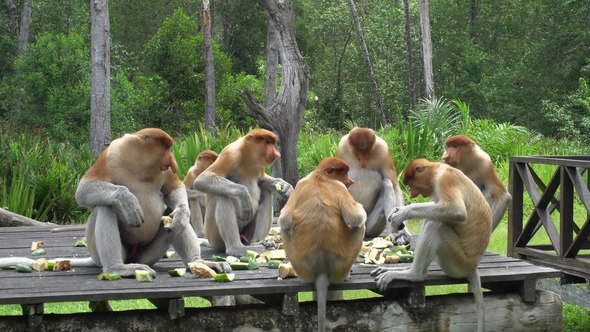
(20, 267)
(365, 265)
(143, 276)
(180, 272)
(169, 254)
(108, 276)
(38, 252)
(232, 259)
(224, 277)
(274, 264)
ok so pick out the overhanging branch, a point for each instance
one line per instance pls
(262, 115)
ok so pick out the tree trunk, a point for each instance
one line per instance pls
(411, 83)
(209, 71)
(100, 57)
(225, 25)
(13, 17)
(25, 25)
(285, 115)
(365, 52)
(427, 50)
(472, 18)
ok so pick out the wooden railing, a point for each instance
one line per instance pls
(567, 187)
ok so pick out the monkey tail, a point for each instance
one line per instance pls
(475, 283)
(322, 282)
(74, 262)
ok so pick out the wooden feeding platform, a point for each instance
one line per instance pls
(511, 298)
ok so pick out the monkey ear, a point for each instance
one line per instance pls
(420, 169)
(146, 137)
(330, 170)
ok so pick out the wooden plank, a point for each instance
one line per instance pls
(515, 211)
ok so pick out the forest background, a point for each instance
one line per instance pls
(517, 70)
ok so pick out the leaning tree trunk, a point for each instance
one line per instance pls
(411, 84)
(427, 50)
(209, 71)
(11, 219)
(25, 27)
(376, 96)
(285, 115)
(100, 58)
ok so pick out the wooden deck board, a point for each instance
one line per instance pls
(81, 284)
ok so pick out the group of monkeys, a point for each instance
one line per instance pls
(228, 198)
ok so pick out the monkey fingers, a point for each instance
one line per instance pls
(402, 237)
(285, 188)
(384, 279)
(128, 270)
(219, 267)
(127, 205)
(380, 270)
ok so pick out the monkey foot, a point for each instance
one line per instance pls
(219, 267)
(128, 270)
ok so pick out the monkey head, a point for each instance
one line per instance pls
(418, 175)
(362, 140)
(335, 168)
(206, 158)
(264, 145)
(456, 147)
(154, 149)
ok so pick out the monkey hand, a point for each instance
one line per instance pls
(219, 267)
(180, 215)
(193, 195)
(128, 270)
(283, 188)
(384, 278)
(127, 206)
(400, 236)
(397, 216)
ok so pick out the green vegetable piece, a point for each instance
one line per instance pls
(38, 252)
(274, 264)
(232, 259)
(224, 277)
(143, 276)
(217, 258)
(81, 243)
(20, 267)
(169, 254)
(108, 276)
(365, 265)
(401, 249)
(180, 272)
(406, 258)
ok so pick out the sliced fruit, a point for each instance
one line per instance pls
(143, 276)
(179, 272)
(38, 252)
(169, 254)
(108, 276)
(20, 267)
(224, 277)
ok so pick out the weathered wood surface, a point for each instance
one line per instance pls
(504, 312)
(497, 272)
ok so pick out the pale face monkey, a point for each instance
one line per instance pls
(239, 193)
(196, 199)
(456, 229)
(322, 227)
(376, 185)
(128, 189)
(461, 152)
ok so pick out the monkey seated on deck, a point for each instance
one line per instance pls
(323, 228)
(456, 229)
(239, 193)
(196, 199)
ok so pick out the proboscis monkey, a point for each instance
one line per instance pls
(128, 189)
(239, 193)
(461, 152)
(376, 185)
(456, 229)
(196, 199)
(322, 227)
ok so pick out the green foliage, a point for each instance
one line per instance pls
(55, 93)
(176, 54)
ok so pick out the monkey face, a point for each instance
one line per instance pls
(362, 141)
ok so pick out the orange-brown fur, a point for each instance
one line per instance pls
(462, 153)
(322, 227)
(204, 160)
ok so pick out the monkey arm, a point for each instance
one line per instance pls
(499, 206)
(194, 195)
(101, 193)
(353, 213)
(213, 184)
(177, 200)
(270, 184)
(454, 212)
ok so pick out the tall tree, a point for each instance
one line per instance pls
(365, 52)
(100, 59)
(20, 30)
(427, 50)
(209, 70)
(408, 28)
(285, 115)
